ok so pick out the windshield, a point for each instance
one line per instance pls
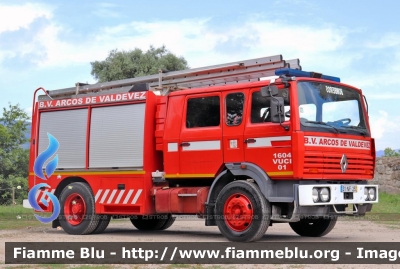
(331, 108)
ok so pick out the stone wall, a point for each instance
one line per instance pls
(387, 174)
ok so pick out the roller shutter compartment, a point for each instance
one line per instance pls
(116, 136)
(69, 128)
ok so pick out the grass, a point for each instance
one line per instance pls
(388, 204)
(387, 210)
(18, 217)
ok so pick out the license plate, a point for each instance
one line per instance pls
(348, 188)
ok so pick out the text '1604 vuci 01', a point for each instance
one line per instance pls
(214, 142)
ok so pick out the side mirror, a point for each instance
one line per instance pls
(269, 91)
(277, 110)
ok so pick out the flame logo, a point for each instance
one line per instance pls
(38, 170)
(34, 204)
(44, 156)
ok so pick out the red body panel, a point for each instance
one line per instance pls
(269, 146)
(181, 200)
(171, 134)
(282, 154)
(203, 155)
(135, 197)
(233, 141)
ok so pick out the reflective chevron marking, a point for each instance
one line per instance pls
(122, 197)
(119, 196)
(127, 197)
(136, 197)
(44, 194)
(98, 195)
(104, 196)
(111, 196)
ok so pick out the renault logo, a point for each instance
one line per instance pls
(344, 163)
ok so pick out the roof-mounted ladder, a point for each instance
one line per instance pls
(222, 74)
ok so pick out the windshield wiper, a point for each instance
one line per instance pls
(324, 123)
(356, 128)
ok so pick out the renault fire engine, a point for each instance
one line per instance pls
(219, 142)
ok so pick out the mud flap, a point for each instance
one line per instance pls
(210, 214)
(55, 223)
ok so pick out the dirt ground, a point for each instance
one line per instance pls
(195, 231)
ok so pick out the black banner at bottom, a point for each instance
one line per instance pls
(203, 253)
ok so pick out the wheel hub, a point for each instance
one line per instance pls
(238, 212)
(74, 209)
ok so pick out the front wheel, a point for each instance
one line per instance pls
(242, 212)
(77, 212)
(314, 227)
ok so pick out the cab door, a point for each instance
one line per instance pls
(267, 144)
(200, 142)
(233, 126)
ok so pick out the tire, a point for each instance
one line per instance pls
(150, 223)
(168, 223)
(242, 212)
(77, 209)
(314, 228)
(104, 220)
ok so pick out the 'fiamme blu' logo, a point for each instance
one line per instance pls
(38, 170)
(44, 156)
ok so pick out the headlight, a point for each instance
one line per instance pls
(365, 194)
(315, 195)
(324, 194)
(371, 194)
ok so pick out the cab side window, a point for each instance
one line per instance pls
(260, 106)
(203, 112)
(234, 108)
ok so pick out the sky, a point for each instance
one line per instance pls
(50, 44)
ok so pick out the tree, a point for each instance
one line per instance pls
(13, 127)
(20, 185)
(388, 152)
(135, 63)
(13, 158)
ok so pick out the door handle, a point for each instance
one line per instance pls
(185, 144)
(250, 140)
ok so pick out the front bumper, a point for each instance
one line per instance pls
(337, 197)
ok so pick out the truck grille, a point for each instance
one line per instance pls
(329, 163)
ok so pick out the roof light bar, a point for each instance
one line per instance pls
(299, 73)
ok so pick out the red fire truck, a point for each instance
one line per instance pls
(219, 142)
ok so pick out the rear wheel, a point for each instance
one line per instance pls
(104, 220)
(242, 212)
(77, 212)
(152, 223)
(314, 227)
(168, 223)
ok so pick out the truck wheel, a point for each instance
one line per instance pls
(313, 228)
(242, 212)
(168, 223)
(104, 220)
(77, 214)
(150, 223)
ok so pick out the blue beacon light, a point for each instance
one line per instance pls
(299, 73)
